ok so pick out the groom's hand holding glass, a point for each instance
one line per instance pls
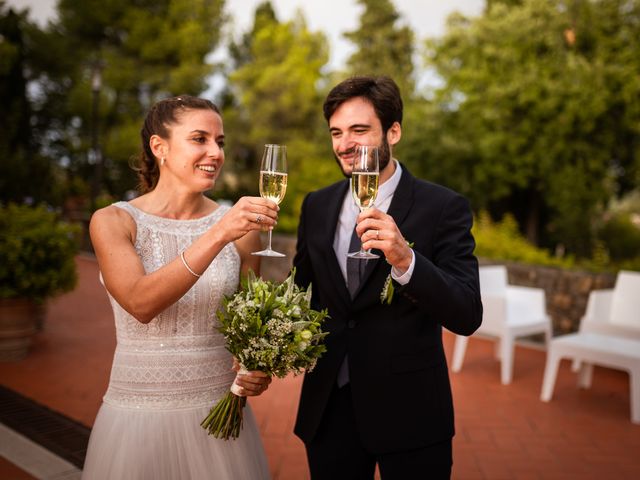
(365, 180)
(379, 230)
(375, 228)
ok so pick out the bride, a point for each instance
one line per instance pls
(166, 259)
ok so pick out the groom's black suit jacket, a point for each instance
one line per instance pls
(397, 366)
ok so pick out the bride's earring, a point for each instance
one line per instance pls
(162, 160)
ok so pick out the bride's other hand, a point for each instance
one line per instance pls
(252, 383)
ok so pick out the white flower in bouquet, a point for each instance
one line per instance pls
(269, 327)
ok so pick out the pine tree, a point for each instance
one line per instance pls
(383, 45)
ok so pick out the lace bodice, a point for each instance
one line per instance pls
(178, 359)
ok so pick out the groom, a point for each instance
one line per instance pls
(381, 394)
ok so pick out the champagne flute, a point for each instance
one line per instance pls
(364, 185)
(273, 184)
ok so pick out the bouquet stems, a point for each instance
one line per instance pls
(225, 418)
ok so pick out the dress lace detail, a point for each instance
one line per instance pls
(177, 360)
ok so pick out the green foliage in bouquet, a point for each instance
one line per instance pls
(269, 327)
(36, 253)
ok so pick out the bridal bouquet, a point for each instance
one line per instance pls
(268, 327)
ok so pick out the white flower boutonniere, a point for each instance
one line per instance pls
(386, 294)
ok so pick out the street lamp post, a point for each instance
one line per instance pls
(96, 154)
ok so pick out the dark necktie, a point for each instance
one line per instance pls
(355, 266)
(355, 270)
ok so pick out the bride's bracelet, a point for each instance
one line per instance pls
(186, 265)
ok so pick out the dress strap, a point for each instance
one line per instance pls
(130, 209)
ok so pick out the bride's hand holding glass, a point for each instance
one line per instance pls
(246, 215)
(273, 184)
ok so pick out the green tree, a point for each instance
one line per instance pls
(141, 51)
(383, 46)
(491, 3)
(274, 98)
(24, 173)
(241, 152)
(538, 112)
(604, 32)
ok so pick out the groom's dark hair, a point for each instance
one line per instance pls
(382, 92)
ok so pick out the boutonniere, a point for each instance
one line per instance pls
(386, 295)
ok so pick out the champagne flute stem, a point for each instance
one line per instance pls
(363, 252)
(269, 247)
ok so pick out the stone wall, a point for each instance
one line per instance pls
(567, 291)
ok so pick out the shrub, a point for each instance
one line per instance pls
(36, 253)
(503, 241)
(621, 237)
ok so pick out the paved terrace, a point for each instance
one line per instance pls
(503, 432)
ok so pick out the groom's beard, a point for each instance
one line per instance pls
(384, 155)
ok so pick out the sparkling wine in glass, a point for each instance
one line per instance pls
(273, 184)
(365, 177)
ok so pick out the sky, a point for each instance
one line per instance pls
(425, 17)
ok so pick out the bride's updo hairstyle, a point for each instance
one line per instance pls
(158, 122)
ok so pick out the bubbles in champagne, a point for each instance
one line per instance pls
(364, 187)
(273, 185)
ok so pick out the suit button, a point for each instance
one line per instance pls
(351, 324)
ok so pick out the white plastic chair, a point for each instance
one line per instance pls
(615, 311)
(609, 336)
(590, 349)
(509, 312)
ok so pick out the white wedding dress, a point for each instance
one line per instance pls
(167, 374)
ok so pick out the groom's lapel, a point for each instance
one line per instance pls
(327, 231)
(402, 198)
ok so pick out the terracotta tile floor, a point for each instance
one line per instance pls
(503, 432)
